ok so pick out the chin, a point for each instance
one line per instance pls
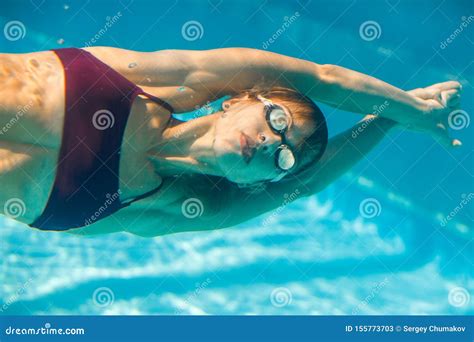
(243, 174)
(228, 155)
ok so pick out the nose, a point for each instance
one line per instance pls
(270, 145)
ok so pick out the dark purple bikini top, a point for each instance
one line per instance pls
(98, 104)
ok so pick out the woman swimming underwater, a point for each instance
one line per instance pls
(88, 144)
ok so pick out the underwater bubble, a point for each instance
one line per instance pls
(60, 41)
(66, 7)
(132, 65)
(181, 88)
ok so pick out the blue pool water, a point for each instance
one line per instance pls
(317, 255)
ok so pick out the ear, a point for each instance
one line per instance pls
(226, 105)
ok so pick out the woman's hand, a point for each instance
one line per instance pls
(441, 100)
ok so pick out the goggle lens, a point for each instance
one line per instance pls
(286, 158)
(278, 119)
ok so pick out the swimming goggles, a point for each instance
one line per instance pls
(278, 120)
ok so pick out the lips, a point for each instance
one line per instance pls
(247, 146)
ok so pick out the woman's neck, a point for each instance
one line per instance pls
(186, 148)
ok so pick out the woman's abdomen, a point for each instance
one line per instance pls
(31, 98)
(31, 118)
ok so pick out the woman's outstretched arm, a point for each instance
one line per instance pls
(343, 152)
(209, 74)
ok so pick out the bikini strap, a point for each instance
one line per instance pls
(157, 100)
(142, 196)
(168, 107)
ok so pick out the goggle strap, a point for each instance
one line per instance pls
(266, 102)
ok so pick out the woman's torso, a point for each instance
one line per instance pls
(31, 122)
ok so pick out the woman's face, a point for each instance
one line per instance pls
(245, 145)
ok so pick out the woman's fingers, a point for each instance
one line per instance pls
(422, 93)
(441, 135)
(434, 92)
(450, 98)
(441, 126)
(444, 140)
(447, 86)
(443, 98)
